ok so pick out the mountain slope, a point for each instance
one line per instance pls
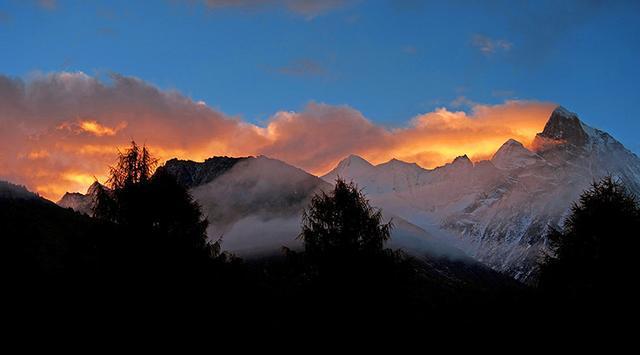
(43, 240)
(255, 205)
(500, 210)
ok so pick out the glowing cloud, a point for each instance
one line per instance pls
(46, 146)
(92, 127)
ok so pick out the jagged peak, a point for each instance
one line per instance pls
(94, 187)
(564, 126)
(562, 111)
(462, 159)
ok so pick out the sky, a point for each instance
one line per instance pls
(306, 81)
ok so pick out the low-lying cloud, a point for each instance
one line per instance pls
(59, 131)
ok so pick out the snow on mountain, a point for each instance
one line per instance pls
(353, 165)
(500, 210)
(255, 204)
(513, 155)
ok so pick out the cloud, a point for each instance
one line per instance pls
(307, 8)
(539, 28)
(107, 32)
(503, 93)
(58, 131)
(302, 67)
(489, 46)
(462, 101)
(5, 18)
(411, 50)
(48, 4)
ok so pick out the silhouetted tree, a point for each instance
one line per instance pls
(342, 224)
(162, 224)
(593, 255)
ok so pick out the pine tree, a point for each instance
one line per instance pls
(342, 224)
(161, 224)
(593, 255)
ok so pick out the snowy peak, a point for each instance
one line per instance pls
(350, 167)
(512, 154)
(563, 127)
(398, 164)
(511, 144)
(354, 161)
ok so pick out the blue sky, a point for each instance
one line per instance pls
(391, 60)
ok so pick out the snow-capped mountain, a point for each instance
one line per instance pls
(255, 204)
(500, 210)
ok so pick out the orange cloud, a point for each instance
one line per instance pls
(44, 145)
(92, 127)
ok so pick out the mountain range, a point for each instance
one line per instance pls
(497, 211)
(500, 210)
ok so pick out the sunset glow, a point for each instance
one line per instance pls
(52, 151)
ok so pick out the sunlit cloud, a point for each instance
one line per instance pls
(59, 131)
(92, 127)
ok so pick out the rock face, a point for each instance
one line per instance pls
(82, 203)
(564, 127)
(190, 173)
(500, 210)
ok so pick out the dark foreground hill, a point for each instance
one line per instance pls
(64, 261)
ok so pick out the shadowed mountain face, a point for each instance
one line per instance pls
(564, 127)
(191, 174)
(500, 210)
(253, 203)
